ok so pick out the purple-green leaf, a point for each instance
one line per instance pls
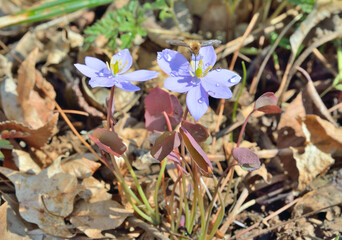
(267, 103)
(246, 158)
(198, 155)
(108, 141)
(197, 131)
(164, 145)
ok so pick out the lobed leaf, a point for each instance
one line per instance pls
(267, 103)
(198, 155)
(108, 141)
(164, 144)
(197, 131)
(246, 158)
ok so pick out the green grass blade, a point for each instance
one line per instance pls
(49, 10)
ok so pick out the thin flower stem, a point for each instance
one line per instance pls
(121, 180)
(138, 186)
(186, 203)
(167, 121)
(160, 177)
(181, 196)
(198, 191)
(239, 95)
(109, 108)
(173, 15)
(220, 215)
(171, 203)
(243, 128)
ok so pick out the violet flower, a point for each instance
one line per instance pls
(113, 74)
(196, 78)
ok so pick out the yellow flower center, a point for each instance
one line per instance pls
(115, 67)
(198, 72)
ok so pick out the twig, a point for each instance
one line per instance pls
(147, 227)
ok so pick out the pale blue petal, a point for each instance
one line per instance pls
(173, 63)
(140, 75)
(125, 60)
(127, 86)
(208, 55)
(85, 70)
(197, 101)
(217, 82)
(95, 63)
(102, 82)
(178, 84)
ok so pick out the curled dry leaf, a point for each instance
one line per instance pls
(37, 110)
(267, 103)
(108, 141)
(246, 158)
(92, 218)
(34, 137)
(47, 198)
(12, 226)
(81, 168)
(94, 190)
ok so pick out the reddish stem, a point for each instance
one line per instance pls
(243, 128)
(109, 108)
(167, 121)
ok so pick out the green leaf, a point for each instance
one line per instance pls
(5, 144)
(339, 87)
(49, 10)
(306, 5)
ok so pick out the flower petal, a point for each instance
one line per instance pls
(178, 84)
(102, 82)
(217, 82)
(124, 57)
(140, 75)
(209, 56)
(127, 86)
(85, 70)
(197, 101)
(95, 63)
(173, 63)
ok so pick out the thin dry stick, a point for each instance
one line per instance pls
(73, 129)
(280, 210)
(233, 213)
(221, 104)
(289, 221)
(335, 107)
(291, 69)
(255, 82)
(75, 112)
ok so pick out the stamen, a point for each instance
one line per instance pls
(123, 65)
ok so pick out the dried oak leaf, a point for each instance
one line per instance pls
(323, 134)
(81, 167)
(34, 137)
(37, 110)
(47, 198)
(92, 218)
(11, 227)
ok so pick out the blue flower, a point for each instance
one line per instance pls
(113, 74)
(196, 78)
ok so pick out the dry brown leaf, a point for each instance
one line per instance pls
(317, 199)
(94, 190)
(323, 134)
(47, 198)
(290, 132)
(37, 111)
(81, 168)
(24, 162)
(311, 163)
(92, 218)
(34, 137)
(11, 226)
